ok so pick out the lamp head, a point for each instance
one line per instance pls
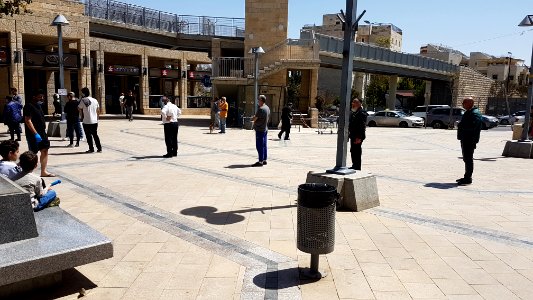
(258, 50)
(59, 20)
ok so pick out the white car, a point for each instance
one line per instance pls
(517, 117)
(394, 118)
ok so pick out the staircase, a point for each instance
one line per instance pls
(290, 53)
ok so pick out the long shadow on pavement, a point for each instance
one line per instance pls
(211, 215)
(238, 166)
(281, 279)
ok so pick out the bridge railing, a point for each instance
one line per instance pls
(371, 52)
(233, 67)
(130, 14)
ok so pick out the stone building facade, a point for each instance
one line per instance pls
(29, 61)
(470, 83)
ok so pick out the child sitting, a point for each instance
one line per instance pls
(9, 150)
(41, 195)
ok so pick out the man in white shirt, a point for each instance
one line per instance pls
(89, 108)
(170, 114)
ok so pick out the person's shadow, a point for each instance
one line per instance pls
(238, 166)
(441, 186)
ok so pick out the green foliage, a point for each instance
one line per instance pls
(376, 90)
(384, 42)
(417, 85)
(13, 7)
(293, 86)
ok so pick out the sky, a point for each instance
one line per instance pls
(489, 26)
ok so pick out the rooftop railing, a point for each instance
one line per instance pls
(148, 18)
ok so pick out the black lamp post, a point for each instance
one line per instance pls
(528, 21)
(60, 21)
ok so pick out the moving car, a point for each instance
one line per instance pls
(420, 111)
(517, 117)
(394, 118)
(440, 117)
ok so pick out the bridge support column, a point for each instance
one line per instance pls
(393, 84)
(358, 84)
(427, 93)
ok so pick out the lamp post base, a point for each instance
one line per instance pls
(341, 171)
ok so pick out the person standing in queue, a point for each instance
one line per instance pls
(357, 132)
(170, 114)
(223, 106)
(468, 133)
(35, 126)
(90, 110)
(261, 130)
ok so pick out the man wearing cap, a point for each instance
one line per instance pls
(468, 133)
(261, 130)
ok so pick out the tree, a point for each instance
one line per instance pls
(376, 90)
(13, 7)
(293, 87)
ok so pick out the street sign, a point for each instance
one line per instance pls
(62, 92)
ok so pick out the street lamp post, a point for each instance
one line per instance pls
(60, 21)
(507, 86)
(256, 51)
(350, 26)
(528, 21)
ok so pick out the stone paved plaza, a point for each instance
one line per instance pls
(204, 225)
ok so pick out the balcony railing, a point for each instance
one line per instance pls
(290, 50)
(130, 14)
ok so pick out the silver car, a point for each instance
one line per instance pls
(394, 118)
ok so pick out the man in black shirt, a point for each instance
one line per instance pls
(468, 133)
(130, 104)
(357, 132)
(36, 130)
(286, 117)
(73, 120)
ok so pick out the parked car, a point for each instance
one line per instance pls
(517, 117)
(420, 111)
(394, 118)
(489, 122)
(440, 117)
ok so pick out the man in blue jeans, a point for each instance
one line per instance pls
(261, 130)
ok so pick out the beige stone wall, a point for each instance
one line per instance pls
(266, 23)
(474, 84)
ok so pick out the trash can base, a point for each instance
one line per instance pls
(308, 273)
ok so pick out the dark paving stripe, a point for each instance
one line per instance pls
(238, 250)
(455, 227)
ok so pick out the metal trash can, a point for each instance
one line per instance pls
(316, 222)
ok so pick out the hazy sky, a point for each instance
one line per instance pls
(488, 26)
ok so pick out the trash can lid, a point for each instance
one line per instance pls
(316, 195)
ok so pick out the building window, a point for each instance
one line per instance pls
(495, 77)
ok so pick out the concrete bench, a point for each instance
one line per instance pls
(36, 245)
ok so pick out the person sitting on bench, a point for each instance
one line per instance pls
(41, 195)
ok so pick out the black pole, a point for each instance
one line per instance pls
(346, 89)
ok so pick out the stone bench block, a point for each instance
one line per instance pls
(16, 214)
(358, 191)
(518, 149)
(63, 243)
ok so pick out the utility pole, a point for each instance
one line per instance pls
(350, 27)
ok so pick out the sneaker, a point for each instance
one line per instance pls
(258, 164)
(89, 151)
(99, 150)
(460, 179)
(279, 135)
(70, 145)
(77, 145)
(264, 162)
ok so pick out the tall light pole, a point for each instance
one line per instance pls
(507, 86)
(350, 27)
(60, 21)
(256, 51)
(528, 21)
(367, 75)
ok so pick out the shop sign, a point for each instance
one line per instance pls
(4, 56)
(165, 73)
(50, 60)
(123, 70)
